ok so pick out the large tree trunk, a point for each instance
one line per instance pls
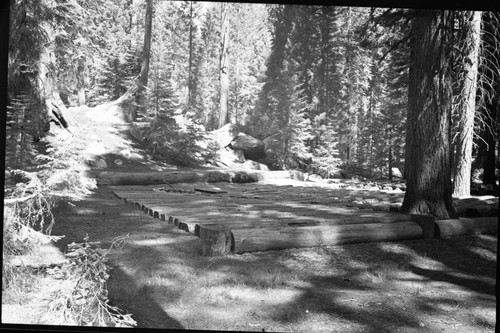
(467, 106)
(491, 84)
(223, 65)
(429, 186)
(143, 76)
(47, 83)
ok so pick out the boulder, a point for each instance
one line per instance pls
(396, 173)
(314, 178)
(99, 164)
(225, 135)
(229, 157)
(252, 148)
(126, 153)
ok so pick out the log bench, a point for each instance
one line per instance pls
(264, 239)
(236, 221)
(466, 226)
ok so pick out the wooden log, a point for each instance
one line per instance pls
(191, 223)
(174, 177)
(282, 238)
(467, 226)
(237, 225)
(427, 223)
(478, 210)
(164, 177)
(216, 241)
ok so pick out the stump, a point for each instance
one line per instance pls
(216, 241)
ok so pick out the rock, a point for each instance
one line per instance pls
(126, 153)
(252, 148)
(252, 165)
(314, 178)
(340, 174)
(99, 164)
(118, 161)
(242, 177)
(225, 135)
(229, 157)
(396, 173)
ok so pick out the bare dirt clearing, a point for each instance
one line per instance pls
(438, 285)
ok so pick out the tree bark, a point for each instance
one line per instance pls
(491, 83)
(223, 65)
(144, 74)
(467, 107)
(190, 67)
(489, 144)
(215, 241)
(429, 186)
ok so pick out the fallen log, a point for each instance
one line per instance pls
(202, 176)
(153, 178)
(248, 240)
(466, 226)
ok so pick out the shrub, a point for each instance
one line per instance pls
(83, 298)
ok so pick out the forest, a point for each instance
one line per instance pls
(372, 93)
(328, 84)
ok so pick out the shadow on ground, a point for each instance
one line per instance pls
(160, 277)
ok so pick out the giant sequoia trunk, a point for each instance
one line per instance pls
(467, 106)
(429, 186)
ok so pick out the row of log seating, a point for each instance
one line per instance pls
(236, 218)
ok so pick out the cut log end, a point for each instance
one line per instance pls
(216, 241)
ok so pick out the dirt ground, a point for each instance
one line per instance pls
(441, 285)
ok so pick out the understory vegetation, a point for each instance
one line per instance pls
(53, 175)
